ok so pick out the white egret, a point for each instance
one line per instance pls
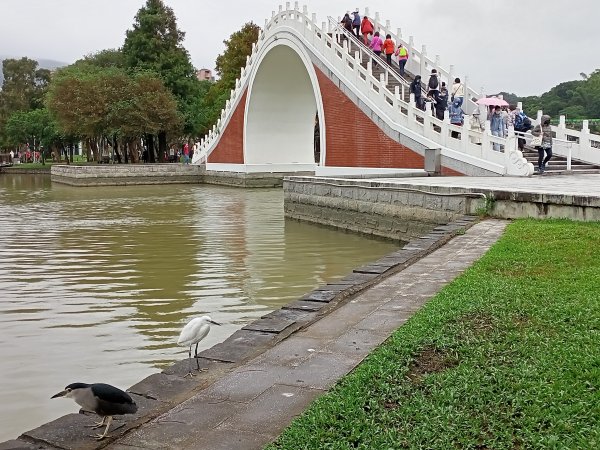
(195, 330)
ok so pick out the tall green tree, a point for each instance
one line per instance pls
(35, 127)
(155, 44)
(91, 102)
(577, 99)
(237, 48)
(229, 65)
(23, 89)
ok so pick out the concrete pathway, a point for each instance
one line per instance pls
(580, 185)
(249, 407)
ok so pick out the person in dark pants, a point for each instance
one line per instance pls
(356, 23)
(545, 130)
(441, 102)
(415, 89)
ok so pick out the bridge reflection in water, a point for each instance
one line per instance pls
(95, 283)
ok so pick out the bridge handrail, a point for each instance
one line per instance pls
(335, 25)
(419, 59)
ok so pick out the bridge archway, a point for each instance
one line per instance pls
(283, 99)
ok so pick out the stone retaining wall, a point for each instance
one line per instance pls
(126, 174)
(371, 207)
(134, 174)
(19, 171)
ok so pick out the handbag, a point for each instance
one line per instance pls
(536, 141)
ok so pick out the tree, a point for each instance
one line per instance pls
(104, 58)
(577, 99)
(92, 102)
(23, 88)
(229, 66)
(155, 45)
(35, 127)
(237, 48)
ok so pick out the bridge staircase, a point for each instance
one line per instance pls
(559, 164)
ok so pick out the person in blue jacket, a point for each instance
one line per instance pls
(497, 126)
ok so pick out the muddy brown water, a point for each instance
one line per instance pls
(96, 283)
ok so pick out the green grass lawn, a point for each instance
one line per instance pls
(505, 357)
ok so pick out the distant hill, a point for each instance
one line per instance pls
(43, 63)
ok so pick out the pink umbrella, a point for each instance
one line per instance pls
(492, 101)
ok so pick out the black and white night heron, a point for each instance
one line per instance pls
(103, 399)
(195, 330)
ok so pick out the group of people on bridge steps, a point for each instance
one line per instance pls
(441, 99)
(374, 41)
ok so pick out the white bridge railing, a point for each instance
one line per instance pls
(461, 143)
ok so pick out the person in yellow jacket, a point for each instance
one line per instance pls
(402, 54)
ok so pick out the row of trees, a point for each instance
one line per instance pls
(145, 91)
(577, 99)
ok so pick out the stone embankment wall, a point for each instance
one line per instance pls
(134, 174)
(372, 207)
(126, 174)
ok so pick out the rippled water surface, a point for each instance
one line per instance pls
(95, 283)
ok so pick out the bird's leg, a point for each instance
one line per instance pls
(97, 424)
(99, 437)
(198, 361)
(190, 374)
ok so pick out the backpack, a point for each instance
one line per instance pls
(526, 124)
(433, 82)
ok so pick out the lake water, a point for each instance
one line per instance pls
(96, 283)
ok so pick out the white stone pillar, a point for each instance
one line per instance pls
(423, 55)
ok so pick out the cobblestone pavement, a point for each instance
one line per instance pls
(250, 406)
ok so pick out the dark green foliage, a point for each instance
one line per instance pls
(23, 89)
(91, 101)
(105, 58)
(237, 48)
(155, 45)
(578, 99)
(505, 357)
(229, 65)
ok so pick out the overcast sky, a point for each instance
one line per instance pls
(520, 46)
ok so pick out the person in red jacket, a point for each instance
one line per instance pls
(388, 47)
(366, 28)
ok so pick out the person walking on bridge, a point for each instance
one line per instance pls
(458, 91)
(545, 130)
(416, 90)
(376, 44)
(347, 22)
(388, 48)
(402, 54)
(366, 27)
(356, 23)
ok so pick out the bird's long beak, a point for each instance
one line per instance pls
(60, 394)
(216, 323)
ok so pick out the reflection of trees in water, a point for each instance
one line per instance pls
(152, 257)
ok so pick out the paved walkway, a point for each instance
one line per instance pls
(249, 407)
(580, 184)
